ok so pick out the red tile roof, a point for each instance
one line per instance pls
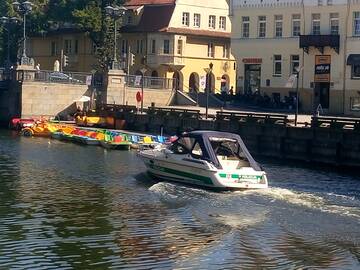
(154, 19)
(148, 2)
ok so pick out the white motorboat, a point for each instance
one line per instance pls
(206, 158)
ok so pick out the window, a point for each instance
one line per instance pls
(53, 48)
(197, 19)
(278, 25)
(129, 19)
(211, 52)
(76, 47)
(245, 27)
(196, 151)
(356, 30)
(212, 21)
(355, 71)
(222, 23)
(153, 46)
(68, 46)
(141, 46)
(186, 19)
(180, 46)
(262, 26)
(355, 103)
(329, 2)
(296, 25)
(277, 65)
(225, 51)
(320, 2)
(182, 146)
(315, 24)
(124, 46)
(137, 46)
(166, 49)
(334, 23)
(295, 63)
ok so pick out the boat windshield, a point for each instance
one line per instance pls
(229, 150)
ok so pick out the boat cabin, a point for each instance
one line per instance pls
(222, 149)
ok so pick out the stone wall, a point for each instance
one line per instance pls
(47, 99)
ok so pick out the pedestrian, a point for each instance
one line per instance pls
(37, 67)
(231, 92)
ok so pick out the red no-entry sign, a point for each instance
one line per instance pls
(138, 96)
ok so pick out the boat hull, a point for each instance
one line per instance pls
(115, 146)
(164, 169)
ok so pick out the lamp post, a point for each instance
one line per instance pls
(115, 13)
(143, 70)
(8, 22)
(297, 74)
(208, 79)
(24, 8)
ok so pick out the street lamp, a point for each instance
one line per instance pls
(115, 13)
(143, 70)
(23, 9)
(297, 74)
(8, 22)
(208, 81)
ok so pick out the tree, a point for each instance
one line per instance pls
(87, 15)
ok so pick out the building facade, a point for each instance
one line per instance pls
(185, 39)
(75, 44)
(274, 39)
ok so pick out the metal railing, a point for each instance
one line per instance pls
(62, 77)
(135, 81)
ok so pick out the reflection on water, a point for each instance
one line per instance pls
(63, 206)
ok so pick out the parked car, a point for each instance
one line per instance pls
(62, 77)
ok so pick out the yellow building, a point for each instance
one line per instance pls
(74, 43)
(270, 38)
(172, 39)
(180, 39)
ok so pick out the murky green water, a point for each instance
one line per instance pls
(64, 206)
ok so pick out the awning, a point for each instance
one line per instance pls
(353, 59)
(83, 99)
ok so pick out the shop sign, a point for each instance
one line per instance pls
(252, 60)
(322, 68)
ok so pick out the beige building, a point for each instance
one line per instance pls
(172, 39)
(271, 38)
(181, 39)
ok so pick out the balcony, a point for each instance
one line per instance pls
(319, 42)
(155, 60)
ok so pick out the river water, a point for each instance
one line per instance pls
(65, 206)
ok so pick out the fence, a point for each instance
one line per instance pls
(149, 82)
(62, 77)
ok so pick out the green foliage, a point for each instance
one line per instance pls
(88, 15)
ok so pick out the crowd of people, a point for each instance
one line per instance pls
(262, 100)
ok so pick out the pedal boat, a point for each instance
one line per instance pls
(211, 159)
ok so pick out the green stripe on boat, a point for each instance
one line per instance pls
(204, 179)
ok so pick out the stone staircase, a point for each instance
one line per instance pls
(200, 98)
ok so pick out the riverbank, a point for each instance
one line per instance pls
(332, 141)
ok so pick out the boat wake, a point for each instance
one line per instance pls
(329, 203)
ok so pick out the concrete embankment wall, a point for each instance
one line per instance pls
(324, 145)
(47, 99)
(127, 96)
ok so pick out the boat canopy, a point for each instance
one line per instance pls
(205, 141)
